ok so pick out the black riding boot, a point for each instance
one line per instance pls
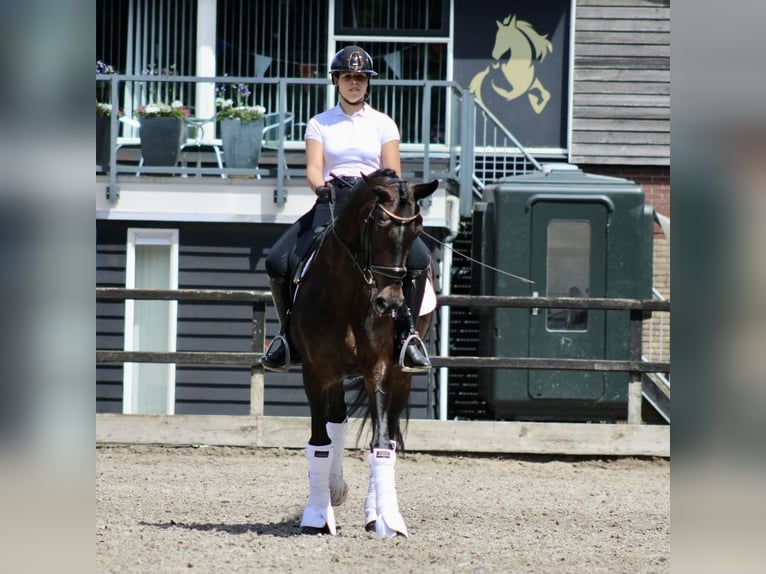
(413, 356)
(277, 356)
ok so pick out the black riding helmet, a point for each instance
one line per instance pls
(355, 60)
(352, 59)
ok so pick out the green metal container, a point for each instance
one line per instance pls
(575, 235)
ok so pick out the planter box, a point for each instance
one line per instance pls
(161, 140)
(103, 142)
(241, 143)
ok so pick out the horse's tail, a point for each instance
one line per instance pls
(361, 403)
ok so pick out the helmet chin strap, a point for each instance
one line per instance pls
(350, 103)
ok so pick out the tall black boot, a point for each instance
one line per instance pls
(277, 356)
(413, 355)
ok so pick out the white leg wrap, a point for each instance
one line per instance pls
(338, 486)
(370, 508)
(389, 522)
(318, 512)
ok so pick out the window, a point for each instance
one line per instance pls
(409, 61)
(152, 263)
(568, 272)
(392, 17)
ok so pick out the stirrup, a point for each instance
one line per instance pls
(279, 369)
(403, 354)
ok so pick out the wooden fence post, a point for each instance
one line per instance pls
(256, 372)
(634, 377)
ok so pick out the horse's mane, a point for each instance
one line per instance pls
(539, 42)
(362, 193)
(375, 178)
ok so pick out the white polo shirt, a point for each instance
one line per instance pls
(352, 144)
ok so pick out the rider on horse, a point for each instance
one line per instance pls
(341, 143)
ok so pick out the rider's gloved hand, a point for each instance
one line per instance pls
(324, 194)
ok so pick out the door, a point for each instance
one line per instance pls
(568, 254)
(151, 263)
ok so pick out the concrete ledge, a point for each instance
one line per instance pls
(420, 435)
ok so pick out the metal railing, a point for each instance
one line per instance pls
(451, 130)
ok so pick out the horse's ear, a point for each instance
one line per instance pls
(425, 189)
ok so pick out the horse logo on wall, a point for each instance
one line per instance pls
(523, 45)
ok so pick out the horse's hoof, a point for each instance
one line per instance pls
(370, 526)
(315, 531)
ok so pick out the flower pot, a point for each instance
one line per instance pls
(241, 143)
(161, 140)
(103, 141)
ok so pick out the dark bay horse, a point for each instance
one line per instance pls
(343, 326)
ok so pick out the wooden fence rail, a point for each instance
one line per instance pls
(639, 311)
(470, 436)
(246, 296)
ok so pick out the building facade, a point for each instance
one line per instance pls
(571, 81)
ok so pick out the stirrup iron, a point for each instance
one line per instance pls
(413, 337)
(278, 338)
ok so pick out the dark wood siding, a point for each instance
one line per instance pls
(211, 256)
(110, 315)
(621, 107)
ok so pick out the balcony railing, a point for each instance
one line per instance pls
(441, 125)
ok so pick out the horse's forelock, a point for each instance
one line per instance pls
(390, 190)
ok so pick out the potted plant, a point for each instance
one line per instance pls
(104, 116)
(162, 132)
(241, 127)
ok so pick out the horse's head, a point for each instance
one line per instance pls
(504, 39)
(513, 35)
(387, 221)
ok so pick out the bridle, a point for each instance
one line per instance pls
(367, 268)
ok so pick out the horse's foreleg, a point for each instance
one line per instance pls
(388, 519)
(338, 486)
(318, 516)
(336, 431)
(370, 504)
(538, 96)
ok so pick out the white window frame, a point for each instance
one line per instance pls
(148, 236)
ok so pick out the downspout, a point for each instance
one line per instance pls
(453, 216)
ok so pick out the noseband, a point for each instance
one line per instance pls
(368, 268)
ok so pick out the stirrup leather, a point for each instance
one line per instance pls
(278, 338)
(403, 353)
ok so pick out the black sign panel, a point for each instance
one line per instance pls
(514, 57)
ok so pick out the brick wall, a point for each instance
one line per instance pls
(655, 181)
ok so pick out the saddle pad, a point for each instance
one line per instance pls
(429, 299)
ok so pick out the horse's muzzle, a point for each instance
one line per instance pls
(388, 299)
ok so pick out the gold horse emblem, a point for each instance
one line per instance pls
(523, 45)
